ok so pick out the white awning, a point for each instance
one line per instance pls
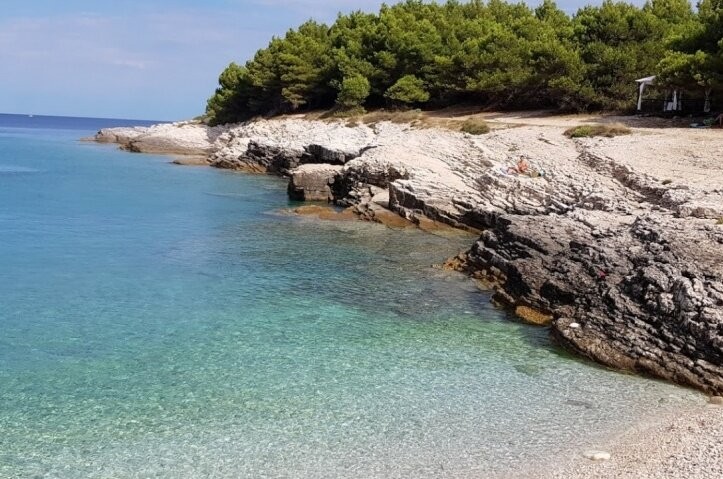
(646, 80)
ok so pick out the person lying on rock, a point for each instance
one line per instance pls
(521, 168)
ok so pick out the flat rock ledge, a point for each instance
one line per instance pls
(624, 268)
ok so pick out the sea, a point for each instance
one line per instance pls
(160, 321)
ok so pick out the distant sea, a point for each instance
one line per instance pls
(175, 322)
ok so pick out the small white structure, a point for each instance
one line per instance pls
(673, 104)
(642, 83)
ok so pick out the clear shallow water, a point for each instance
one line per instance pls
(162, 321)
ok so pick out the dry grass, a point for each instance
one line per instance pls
(719, 221)
(394, 116)
(608, 130)
(474, 125)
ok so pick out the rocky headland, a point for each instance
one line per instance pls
(616, 244)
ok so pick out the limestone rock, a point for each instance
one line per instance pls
(313, 182)
(642, 298)
(185, 138)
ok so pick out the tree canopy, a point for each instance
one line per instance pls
(504, 55)
(696, 52)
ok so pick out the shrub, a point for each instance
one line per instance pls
(352, 92)
(408, 90)
(607, 130)
(475, 127)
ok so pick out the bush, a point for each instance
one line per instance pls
(475, 127)
(408, 90)
(353, 91)
(589, 131)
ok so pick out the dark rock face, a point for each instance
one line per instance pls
(357, 177)
(322, 154)
(628, 293)
(275, 159)
(272, 159)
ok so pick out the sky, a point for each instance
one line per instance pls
(140, 59)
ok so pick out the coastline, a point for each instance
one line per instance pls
(563, 251)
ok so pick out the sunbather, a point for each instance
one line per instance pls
(521, 168)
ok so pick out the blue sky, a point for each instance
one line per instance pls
(138, 58)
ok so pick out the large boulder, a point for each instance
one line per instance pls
(313, 182)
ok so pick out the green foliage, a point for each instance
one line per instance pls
(589, 131)
(503, 55)
(408, 90)
(475, 127)
(353, 91)
(696, 56)
(228, 103)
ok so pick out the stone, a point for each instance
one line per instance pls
(717, 400)
(312, 182)
(594, 455)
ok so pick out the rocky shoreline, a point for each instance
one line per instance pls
(624, 266)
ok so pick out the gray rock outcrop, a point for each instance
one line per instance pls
(313, 182)
(628, 292)
(184, 138)
(627, 269)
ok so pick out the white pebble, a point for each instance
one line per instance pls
(575, 325)
(597, 455)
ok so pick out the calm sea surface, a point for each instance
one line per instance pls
(165, 321)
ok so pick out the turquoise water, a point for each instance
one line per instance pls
(164, 321)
